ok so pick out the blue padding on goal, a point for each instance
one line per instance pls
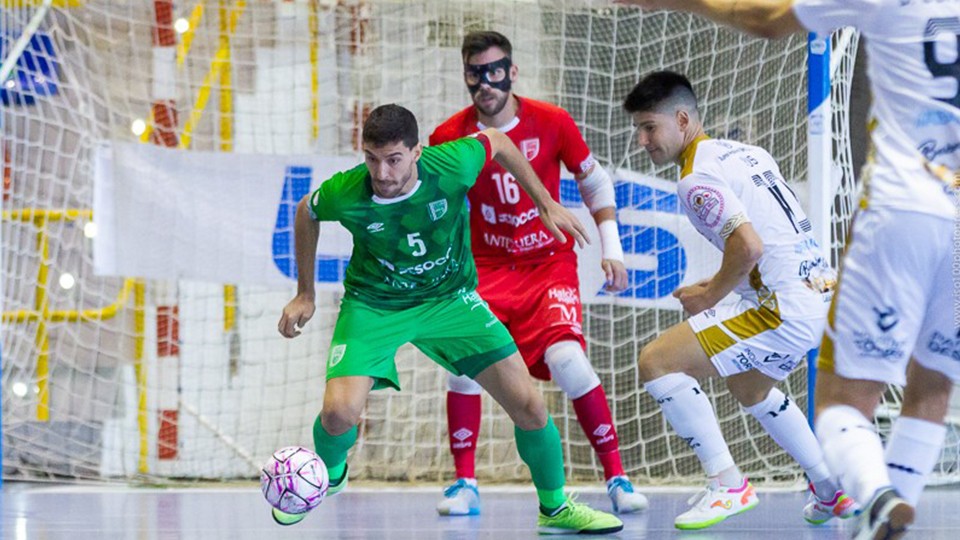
(811, 384)
(36, 73)
(818, 71)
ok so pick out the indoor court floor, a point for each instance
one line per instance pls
(51, 512)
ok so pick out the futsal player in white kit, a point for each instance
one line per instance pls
(896, 316)
(736, 197)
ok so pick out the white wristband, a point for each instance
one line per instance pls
(610, 240)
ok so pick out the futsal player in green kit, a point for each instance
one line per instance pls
(412, 278)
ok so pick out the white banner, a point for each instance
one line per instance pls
(228, 218)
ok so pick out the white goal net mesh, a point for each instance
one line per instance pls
(161, 379)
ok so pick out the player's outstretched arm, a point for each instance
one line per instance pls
(741, 251)
(306, 233)
(554, 216)
(762, 18)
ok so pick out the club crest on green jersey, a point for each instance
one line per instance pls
(437, 209)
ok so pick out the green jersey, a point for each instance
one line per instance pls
(415, 247)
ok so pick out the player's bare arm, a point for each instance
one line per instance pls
(299, 310)
(554, 216)
(762, 18)
(741, 252)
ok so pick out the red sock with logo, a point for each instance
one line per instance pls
(463, 425)
(594, 416)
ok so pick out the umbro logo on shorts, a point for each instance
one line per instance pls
(375, 227)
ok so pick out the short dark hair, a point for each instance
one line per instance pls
(657, 87)
(389, 124)
(477, 42)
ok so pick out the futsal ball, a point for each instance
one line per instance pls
(294, 480)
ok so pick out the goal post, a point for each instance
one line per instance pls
(139, 341)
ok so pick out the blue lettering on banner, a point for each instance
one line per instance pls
(636, 239)
(296, 184)
(642, 240)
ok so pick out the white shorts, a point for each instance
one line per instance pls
(742, 336)
(899, 296)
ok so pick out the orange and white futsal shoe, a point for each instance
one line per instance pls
(819, 511)
(715, 504)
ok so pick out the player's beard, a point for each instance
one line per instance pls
(497, 106)
(404, 184)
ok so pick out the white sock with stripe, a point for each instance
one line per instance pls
(788, 426)
(912, 453)
(688, 410)
(853, 451)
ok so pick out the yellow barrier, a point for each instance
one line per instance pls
(183, 47)
(15, 4)
(41, 313)
(228, 23)
(139, 330)
(314, 24)
(221, 62)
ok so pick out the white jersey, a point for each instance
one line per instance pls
(915, 79)
(725, 184)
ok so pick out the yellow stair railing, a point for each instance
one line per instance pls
(43, 316)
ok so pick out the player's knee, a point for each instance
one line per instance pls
(338, 419)
(463, 385)
(762, 403)
(571, 369)
(651, 364)
(748, 394)
(529, 413)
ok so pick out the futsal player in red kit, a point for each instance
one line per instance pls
(528, 278)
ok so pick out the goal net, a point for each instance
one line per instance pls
(173, 372)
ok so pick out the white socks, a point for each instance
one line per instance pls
(853, 451)
(689, 412)
(788, 426)
(912, 453)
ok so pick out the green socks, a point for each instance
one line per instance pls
(541, 451)
(332, 449)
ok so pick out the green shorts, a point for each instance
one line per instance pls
(461, 334)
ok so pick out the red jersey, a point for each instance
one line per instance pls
(505, 226)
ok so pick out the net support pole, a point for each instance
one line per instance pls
(819, 166)
(6, 67)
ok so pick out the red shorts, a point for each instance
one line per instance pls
(538, 303)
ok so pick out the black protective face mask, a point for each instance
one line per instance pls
(496, 74)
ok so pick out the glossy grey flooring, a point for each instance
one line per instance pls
(48, 512)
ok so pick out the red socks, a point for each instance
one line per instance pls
(463, 426)
(593, 413)
(594, 416)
